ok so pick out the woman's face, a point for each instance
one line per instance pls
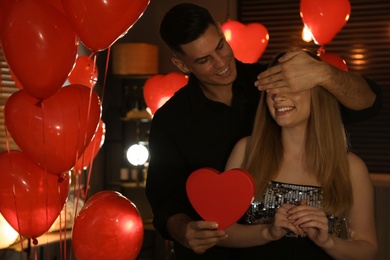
(290, 110)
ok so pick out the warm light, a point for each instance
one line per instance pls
(137, 154)
(307, 36)
(228, 35)
(8, 235)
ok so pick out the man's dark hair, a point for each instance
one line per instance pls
(183, 24)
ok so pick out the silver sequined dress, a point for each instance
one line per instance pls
(291, 246)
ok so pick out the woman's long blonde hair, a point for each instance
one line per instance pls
(325, 152)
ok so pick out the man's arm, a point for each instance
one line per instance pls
(297, 71)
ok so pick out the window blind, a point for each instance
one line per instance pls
(7, 88)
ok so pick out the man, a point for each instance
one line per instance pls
(201, 123)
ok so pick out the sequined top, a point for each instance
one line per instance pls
(278, 193)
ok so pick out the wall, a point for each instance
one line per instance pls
(147, 27)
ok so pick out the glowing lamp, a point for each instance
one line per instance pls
(8, 235)
(137, 154)
(248, 42)
(158, 89)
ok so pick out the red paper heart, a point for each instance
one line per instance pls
(248, 42)
(220, 197)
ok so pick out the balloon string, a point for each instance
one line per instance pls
(42, 105)
(88, 118)
(76, 191)
(321, 50)
(94, 55)
(13, 184)
(91, 77)
(63, 231)
(106, 71)
(102, 99)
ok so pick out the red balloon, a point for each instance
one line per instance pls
(99, 23)
(4, 7)
(158, 89)
(99, 195)
(54, 132)
(248, 42)
(17, 82)
(334, 60)
(84, 72)
(39, 45)
(92, 148)
(30, 198)
(109, 227)
(325, 18)
(57, 4)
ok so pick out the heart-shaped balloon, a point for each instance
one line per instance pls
(99, 23)
(159, 88)
(30, 198)
(325, 18)
(40, 46)
(248, 42)
(92, 149)
(55, 131)
(220, 197)
(335, 60)
(84, 72)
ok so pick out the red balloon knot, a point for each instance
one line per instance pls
(39, 103)
(61, 177)
(35, 241)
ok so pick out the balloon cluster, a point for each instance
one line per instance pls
(324, 20)
(57, 128)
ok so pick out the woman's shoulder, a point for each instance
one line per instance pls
(238, 153)
(358, 168)
(355, 161)
(242, 144)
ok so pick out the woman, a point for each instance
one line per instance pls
(309, 186)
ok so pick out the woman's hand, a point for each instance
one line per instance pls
(282, 223)
(312, 221)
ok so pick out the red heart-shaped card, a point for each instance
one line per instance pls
(220, 197)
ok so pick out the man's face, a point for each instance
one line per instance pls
(210, 58)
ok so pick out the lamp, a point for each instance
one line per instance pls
(137, 154)
(8, 235)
